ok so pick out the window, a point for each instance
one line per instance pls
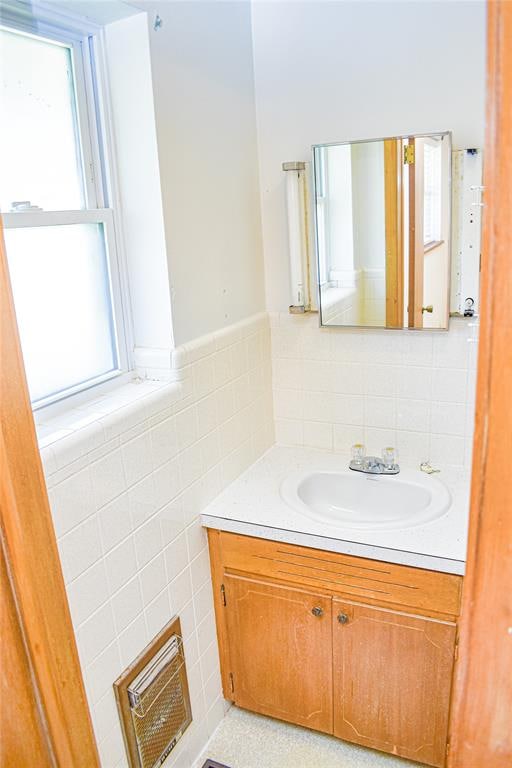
(432, 193)
(59, 228)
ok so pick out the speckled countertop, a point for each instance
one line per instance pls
(252, 505)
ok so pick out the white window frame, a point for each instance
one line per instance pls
(322, 215)
(99, 178)
(435, 239)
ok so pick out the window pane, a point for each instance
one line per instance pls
(39, 157)
(432, 194)
(63, 305)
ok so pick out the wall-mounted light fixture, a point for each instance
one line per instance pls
(298, 236)
(467, 204)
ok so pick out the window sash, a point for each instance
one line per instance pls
(104, 216)
(321, 218)
(88, 132)
(322, 214)
(87, 126)
(98, 163)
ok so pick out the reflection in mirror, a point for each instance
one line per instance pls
(383, 232)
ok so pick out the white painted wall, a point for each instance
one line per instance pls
(133, 120)
(203, 86)
(356, 70)
(335, 71)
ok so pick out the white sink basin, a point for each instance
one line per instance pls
(349, 499)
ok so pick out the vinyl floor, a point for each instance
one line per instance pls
(245, 740)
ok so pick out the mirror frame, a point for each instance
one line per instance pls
(428, 134)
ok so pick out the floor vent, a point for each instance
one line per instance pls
(153, 699)
(213, 764)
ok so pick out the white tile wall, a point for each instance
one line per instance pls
(373, 310)
(334, 387)
(129, 473)
(127, 480)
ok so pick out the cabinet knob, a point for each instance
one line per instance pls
(342, 618)
(317, 611)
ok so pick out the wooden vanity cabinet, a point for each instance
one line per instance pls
(353, 647)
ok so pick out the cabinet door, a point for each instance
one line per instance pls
(280, 644)
(392, 680)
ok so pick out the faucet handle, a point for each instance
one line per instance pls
(358, 453)
(389, 456)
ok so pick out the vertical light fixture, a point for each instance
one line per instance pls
(298, 236)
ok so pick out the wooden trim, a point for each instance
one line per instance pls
(481, 726)
(21, 710)
(416, 248)
(393, 226)
(217, 570)
(33, 560)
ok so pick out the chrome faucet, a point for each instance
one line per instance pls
(372, 465)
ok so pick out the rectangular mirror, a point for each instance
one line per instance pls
(383, 227)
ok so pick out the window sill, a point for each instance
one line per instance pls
(69, 438)
(332, 295)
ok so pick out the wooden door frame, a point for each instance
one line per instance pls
(33, 567)
(22, 714)
(481, 724)
(394, 241)
(416, 247)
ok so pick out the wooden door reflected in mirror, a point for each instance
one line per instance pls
(383, 232)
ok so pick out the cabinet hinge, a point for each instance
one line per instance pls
(231, 682)
(447, 751)
(223, 594)
(409, 154)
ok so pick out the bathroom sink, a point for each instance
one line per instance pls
(356, 500)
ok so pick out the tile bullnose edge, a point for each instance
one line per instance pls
(175, 385)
